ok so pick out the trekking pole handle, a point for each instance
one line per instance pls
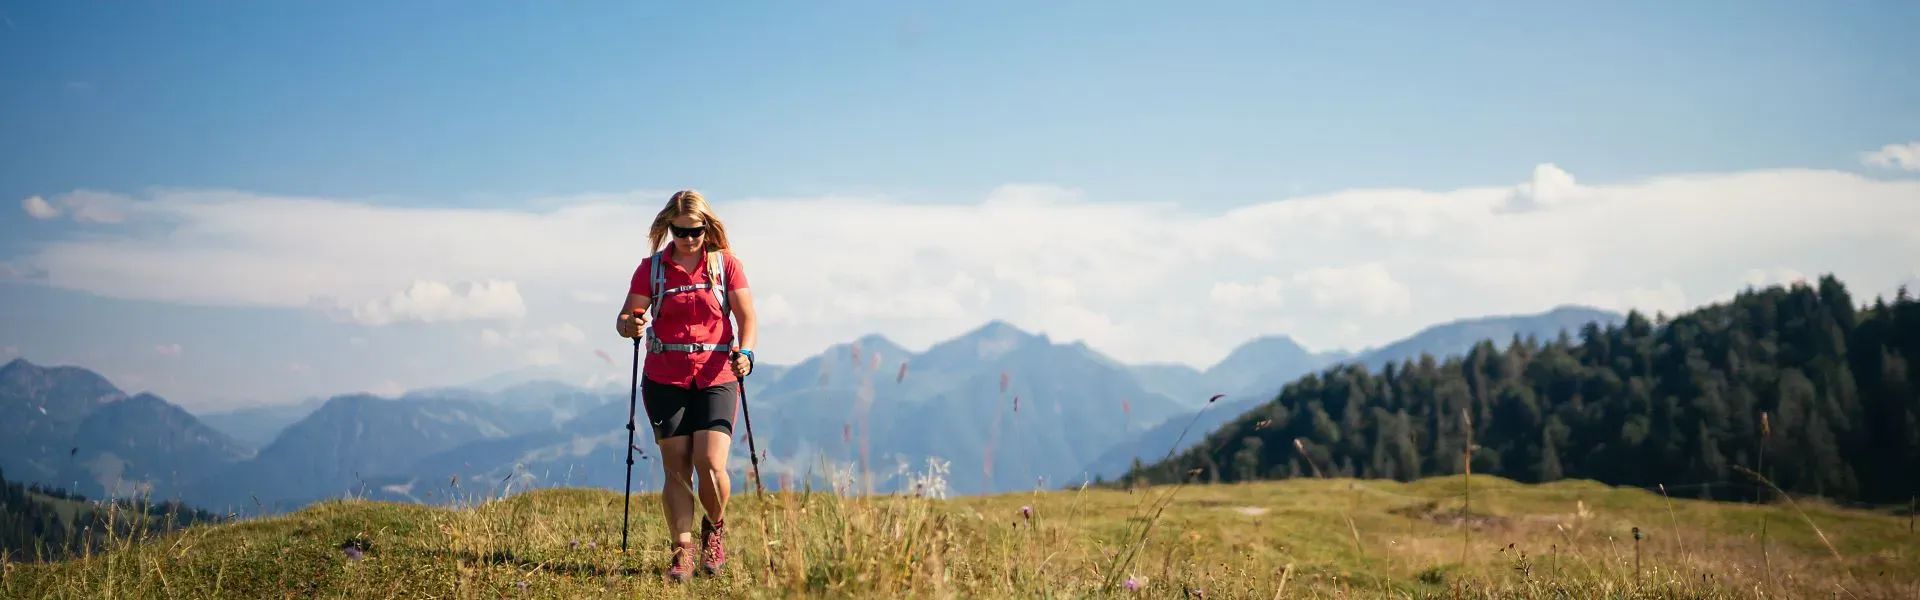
(750, 360)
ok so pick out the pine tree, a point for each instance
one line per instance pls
(1548, 467)
(1675, 400)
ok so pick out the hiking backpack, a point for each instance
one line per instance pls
(716, 281)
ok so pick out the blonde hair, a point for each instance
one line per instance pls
(689, 203)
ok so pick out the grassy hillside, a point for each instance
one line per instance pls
(1317, 538)
(44, 524)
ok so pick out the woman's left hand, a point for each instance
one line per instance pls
(741, 365)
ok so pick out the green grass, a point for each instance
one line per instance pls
(1567, 539)
(68, 509)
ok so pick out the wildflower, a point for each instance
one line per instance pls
(573, 544)
(1134, 584)
(1026, 512)
(355, 548)
(523, 586)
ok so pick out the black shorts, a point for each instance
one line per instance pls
(676, 411)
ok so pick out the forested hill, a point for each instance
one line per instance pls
(1795, 382)
(39, 523)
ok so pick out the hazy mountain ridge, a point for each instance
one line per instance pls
(348, 440)
(70, 427)
(1009, 409)
(1016, 406)
(258, 425)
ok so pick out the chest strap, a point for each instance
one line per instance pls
(717, 285)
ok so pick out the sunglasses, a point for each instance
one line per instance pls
(687, 232)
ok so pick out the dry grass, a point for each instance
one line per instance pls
(1317, 538)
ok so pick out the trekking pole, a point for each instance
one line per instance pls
(753, 453)
(632, 400)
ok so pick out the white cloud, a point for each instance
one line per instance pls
(1774, 276)
(542, 356)
(96, 207)
(1905, 157)
(388, 389)
(536, 346)
(596, 298)
(562, 333)
(1666, 297)
(38, 208)
(435, 302)
(1550, 186)
(1349, 268)
(1268, 292)
(1368, 288)
(85, 206)
(12, 272)
(566, 332)
(167, 349)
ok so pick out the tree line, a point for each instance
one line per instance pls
(1794, 382)
(46, 523)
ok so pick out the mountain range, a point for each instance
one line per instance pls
(997, 409)
(70, 427)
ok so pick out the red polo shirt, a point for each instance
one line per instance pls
(689, 318)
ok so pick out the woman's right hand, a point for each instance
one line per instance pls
(630, 324)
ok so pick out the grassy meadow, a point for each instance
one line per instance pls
(1300, 538)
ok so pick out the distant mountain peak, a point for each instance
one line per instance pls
(997, 325)
(1261, 353)
(17, 368)
(1557, 312)
(875, 341)
(994, 339)
(350, 402)
(1002, 329)
(1273, 342)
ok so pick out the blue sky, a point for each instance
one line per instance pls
(1193, 109)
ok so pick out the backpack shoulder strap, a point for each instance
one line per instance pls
(659, 276)
(717, 276)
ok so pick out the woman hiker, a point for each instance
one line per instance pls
(695, 358)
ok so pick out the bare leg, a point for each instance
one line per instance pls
(710, 462)
(676, 456)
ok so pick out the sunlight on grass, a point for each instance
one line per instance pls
(1566, 539)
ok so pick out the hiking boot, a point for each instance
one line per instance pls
(682, 562)
(712, 538)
